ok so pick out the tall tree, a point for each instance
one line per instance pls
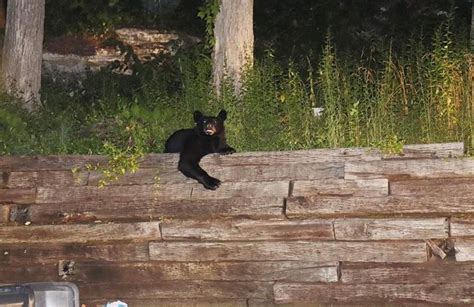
(234, 42)
(23, 50)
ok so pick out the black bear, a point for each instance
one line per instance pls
(208, 136)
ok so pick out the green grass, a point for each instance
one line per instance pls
(420, 95)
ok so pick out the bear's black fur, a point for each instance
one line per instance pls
(208, 136)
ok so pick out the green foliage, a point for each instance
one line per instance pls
(13, 130)
(422, 95)
(448, 90)
(208, 12)
(297, 100)
(332, 93)
(121, 160)
(390, 146)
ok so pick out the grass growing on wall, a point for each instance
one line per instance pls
(420, 95)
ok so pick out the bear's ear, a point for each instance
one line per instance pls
(197, 116)
(222, 115)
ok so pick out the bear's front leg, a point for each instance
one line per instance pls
(192, 169)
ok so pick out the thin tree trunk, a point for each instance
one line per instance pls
(233, 49)
(23, 50)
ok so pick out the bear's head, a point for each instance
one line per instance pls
(210, 125)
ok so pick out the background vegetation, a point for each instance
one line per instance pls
(411, 88)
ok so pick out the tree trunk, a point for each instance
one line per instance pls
(23, 50)
(472, 29)
(233, 49)
(472, 77)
